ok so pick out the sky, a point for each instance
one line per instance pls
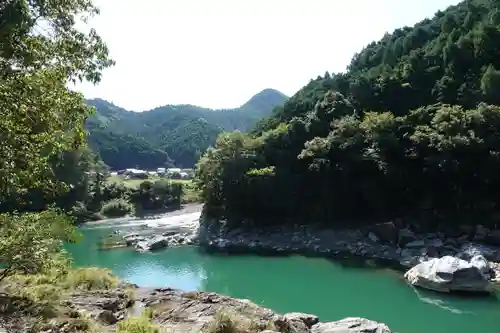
(219, 53)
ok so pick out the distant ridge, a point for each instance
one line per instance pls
(171, 134)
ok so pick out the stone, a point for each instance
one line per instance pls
(466, 229)
(495, 272)
(406, 236)
(294, 325)
(415, 244)
(447, 274)
(351, 325)
(467, 251)
(308, 319)
(482, 265)
(106, 317)
(152, 244)
(493, 238)
(373, 237)
(481, 233)
(434, 242)
(387, 232)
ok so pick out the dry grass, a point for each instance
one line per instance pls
(41, 295)
(226, 321)
(91, 278)
(140, 324)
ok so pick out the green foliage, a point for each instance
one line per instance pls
(170, 134)
(158, 195)
(40, 294)
(91, 278)
(404, 132)
(117, 208)
(32, 242)
(140, 324)
(39, 116)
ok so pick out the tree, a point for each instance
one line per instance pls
(41, 51)
(32, 242)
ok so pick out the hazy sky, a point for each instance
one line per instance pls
(218, 53)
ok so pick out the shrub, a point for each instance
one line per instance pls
(117, 208)
(221, 323)
(90, 279)
(141, 324)
(32, 242)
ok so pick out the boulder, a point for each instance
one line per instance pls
(493, 238)
(406, 236)
(386, 232)
(481, 233)
(468, 251)
(373, 237)
(351, 325)
(434, 242)
(308, 319)
(416, 244)
(495, 272)
(106, 317)
(152, 244)
(290, 325)
(466, 229)
(482, 265)
(447, 274)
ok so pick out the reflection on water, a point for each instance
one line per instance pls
(314, 285)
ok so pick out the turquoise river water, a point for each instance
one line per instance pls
(328, 289)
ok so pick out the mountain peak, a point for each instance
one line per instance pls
(265, 98)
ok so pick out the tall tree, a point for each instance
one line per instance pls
(41, 51)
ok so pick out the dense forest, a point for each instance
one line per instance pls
(169, 135)
(411, 129)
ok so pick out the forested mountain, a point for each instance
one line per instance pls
(412, 128)
(171, 134)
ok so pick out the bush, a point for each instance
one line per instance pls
(90, 279)
(32, 242)
(141, 324)
(117, 208)
(222, 323)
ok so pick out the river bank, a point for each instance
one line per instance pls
(386, 243)
(332, 289)
(172, 310)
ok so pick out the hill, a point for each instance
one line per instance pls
(168, 135)
(411, 129)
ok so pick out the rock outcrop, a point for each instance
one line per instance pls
(188, 312)
(399, 247)
(449, 274)
(351, 325)
(182, 312)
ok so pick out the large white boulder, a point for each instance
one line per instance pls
(351, 325)
(448, 274)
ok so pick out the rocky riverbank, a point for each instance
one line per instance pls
(182, 312)
(391, 244)
(394, 244)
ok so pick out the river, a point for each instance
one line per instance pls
(284, 284)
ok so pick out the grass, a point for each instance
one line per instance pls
(40, 296)
(90, 279)
(226, 321)
(140, 324)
